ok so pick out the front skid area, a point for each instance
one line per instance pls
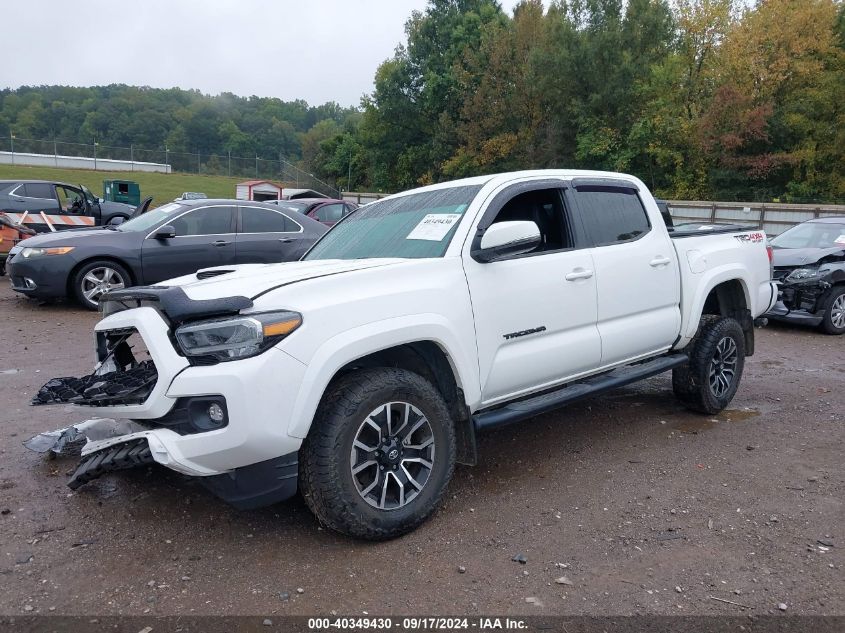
(248, 487)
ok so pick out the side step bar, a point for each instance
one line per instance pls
(524, 409)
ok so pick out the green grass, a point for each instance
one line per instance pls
(162, 187)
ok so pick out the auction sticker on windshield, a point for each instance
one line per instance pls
(434, 226)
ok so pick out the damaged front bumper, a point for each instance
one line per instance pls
(158, 409)
(113, 445)
(799, 303)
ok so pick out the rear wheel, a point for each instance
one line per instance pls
(379, 455)
(833, 321)
(96, 278)
(708, 382)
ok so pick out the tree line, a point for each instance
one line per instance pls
(181, 120)
(702, 99)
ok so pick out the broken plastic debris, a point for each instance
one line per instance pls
(71, 439)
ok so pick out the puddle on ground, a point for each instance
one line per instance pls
(694, 426)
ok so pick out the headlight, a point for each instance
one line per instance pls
(236, 337)
(802, 273)
(38, 252)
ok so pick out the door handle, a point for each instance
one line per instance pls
(220, 243)
(286, 240)
(579, 273)
(660, 261)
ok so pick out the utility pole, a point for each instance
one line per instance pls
(55, 152)
(12, 141)
(229, 170)
(349, 176)
(166, 162)
(132, 157)
(95, 155)
(199, 167)
(256, 165)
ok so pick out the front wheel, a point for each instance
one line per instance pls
(833, 321)
(708, 382)
(96, 278)
(379, 455)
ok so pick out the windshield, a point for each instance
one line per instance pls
(414, 226)
(151, 218)
(812, 235)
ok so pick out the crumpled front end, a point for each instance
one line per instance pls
(802, 292)
(225, 423)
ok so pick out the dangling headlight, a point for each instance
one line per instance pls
(236, 337)
(800, 274)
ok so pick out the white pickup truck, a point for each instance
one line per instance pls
(361, 374)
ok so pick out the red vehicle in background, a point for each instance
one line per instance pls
(325, 210)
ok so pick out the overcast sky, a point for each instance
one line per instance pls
(317, 50)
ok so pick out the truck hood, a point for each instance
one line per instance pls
(783, 257)
(252, 280)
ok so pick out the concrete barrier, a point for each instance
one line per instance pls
(80, 162)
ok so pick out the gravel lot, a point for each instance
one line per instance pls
(626, 504)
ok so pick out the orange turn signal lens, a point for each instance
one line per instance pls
(281, 328)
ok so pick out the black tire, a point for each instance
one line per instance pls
(327, 457)
(691, 382)
(833, 321)
(84, 288)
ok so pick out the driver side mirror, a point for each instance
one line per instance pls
(165, 232)
(506, 239)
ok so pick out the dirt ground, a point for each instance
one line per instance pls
(632, 504)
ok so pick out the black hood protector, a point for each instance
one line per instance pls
(176, 305)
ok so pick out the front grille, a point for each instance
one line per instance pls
(131, 386)
(121, 378)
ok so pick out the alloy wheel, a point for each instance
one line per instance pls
(100, 280)
(837, 312)
(392, 455)
(723, 367)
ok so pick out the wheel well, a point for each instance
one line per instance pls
(69, 285)
(728, 299)
(427, 359)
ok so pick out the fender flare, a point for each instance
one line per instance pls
(349, 345)
(708, 282)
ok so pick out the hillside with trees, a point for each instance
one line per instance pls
(184, 121)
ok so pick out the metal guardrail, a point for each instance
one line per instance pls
(773, 218)
(363, 197)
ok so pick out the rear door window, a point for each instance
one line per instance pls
(611, 215)
(37, 190)
(258, 220)
(204, 221)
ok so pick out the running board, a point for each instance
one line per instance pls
(528, 408)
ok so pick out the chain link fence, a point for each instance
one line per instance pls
(107, 157)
